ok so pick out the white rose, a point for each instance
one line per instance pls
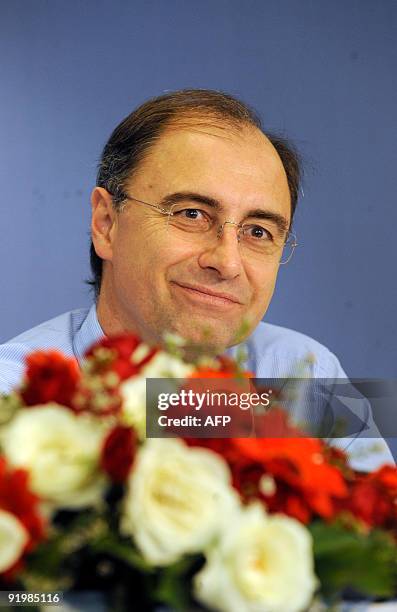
(13, 539)
(60, 450)
(133, 390)
(177, 499)
(262, 563)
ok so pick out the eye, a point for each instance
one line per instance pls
(189, 213)
(190, 219)
(258, 233)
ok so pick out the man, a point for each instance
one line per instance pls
(191, 219)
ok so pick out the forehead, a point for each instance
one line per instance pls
(238, 167)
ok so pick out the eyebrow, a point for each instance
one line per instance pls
(258, 213)
(180, 196)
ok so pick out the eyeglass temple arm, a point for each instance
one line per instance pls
(124, 196)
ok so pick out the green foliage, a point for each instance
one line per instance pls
(48, 567)
(120, 548)
(348, 559)
(174, 584)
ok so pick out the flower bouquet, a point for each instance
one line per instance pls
(88, 502)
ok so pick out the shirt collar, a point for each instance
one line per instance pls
(89, 333)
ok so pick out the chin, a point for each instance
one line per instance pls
(209, 338)
(212, 335)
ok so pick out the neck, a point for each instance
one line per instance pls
(113, 319)
(108, 312)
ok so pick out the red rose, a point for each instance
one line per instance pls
(50, 377)
(118, 452)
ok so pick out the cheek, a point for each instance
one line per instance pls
(263, 288)
(147, 258)
(175, 258)
(135, 251)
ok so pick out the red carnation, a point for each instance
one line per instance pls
(373, 498)
(108, 363)
(118, 452)
(300, 469)
(50, 377)
(305, 483)
(275, 424)
(221, 446)
(121, 355)
(16, 498)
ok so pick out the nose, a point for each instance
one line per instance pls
(223, 254)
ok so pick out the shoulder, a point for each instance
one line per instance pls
(57, 333)
(278, 351)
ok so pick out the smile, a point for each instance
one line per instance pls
(206, 296)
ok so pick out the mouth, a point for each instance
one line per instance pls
(207, 296)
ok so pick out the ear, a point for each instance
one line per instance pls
(102, 222)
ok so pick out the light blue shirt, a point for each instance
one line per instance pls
(272, 351)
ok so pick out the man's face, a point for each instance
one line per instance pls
(154, 279)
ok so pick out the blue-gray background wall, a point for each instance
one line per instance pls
(322, 72)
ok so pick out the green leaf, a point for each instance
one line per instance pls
(345, 559)
(174, 583)
(122, 549)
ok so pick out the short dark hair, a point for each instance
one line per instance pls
(137, 133)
